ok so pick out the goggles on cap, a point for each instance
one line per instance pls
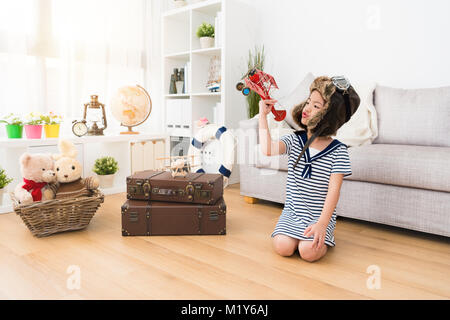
(342, 85)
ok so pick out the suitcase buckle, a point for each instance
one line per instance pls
(190, 189)
(147, 189)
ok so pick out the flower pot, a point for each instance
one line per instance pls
(1, 196)
(106, 181)
(33, 131)
(206, 42)
(14, 131)
(51, 130)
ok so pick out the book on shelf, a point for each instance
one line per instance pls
(178, 115)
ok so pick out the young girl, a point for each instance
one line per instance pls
(316, 167)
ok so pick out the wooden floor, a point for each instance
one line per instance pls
(240, 265)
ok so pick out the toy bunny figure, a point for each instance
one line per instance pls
(68, 173)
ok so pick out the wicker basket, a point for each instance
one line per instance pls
(58, 215)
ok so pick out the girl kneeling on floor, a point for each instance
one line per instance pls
(316, 167)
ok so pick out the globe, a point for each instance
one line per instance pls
(131, 105)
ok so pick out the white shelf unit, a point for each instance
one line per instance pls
(181, 45)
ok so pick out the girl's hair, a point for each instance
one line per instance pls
(339, 107)
(333, 117)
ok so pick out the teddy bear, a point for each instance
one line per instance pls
(38, 178)
(68, 173)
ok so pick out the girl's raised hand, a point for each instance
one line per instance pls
(265, 106)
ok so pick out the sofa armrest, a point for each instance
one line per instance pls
(249, 127)
(249, 123)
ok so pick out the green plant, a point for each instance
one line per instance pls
(205, 30)
(105, 165)
(255, 60)
(4, 179)
(11, 119)
(34, 118)
(51, 118)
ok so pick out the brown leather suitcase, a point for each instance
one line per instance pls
(202, 188)
(153, 218)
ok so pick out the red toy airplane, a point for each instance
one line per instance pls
(261, 83)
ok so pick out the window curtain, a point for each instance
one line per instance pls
(54, 54)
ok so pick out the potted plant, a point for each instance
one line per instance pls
(105, 168)
(33, 125)
(51, 124)
(4, 181)
(206, 34)
(255, 60)
(14, 126)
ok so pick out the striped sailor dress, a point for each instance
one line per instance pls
(307, 185)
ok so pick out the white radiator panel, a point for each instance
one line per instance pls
(144, 155)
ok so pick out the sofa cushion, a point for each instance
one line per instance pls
(272, 162)
(414, 117)
(402, 165)
(298, 95)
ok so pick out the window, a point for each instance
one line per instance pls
(54, 54)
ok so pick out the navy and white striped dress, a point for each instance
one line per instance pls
(307, 186)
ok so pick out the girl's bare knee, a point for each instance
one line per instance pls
(284, 245)
(308, 253)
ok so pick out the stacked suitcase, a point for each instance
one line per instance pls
(159, 204)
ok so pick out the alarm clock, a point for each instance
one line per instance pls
(79, 128)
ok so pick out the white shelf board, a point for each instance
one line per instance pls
(184, 55)
(207, 6)
(21, 143)
(206, 94)
(177, 95)
(208, 51)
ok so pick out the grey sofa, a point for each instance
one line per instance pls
(401, 179)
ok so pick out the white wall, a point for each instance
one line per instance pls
(395, 43)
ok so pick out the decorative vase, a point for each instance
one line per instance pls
(206, 42)
(33, 131)
(106, 181)
(14, 131)
(2, 190)
(51, 130)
